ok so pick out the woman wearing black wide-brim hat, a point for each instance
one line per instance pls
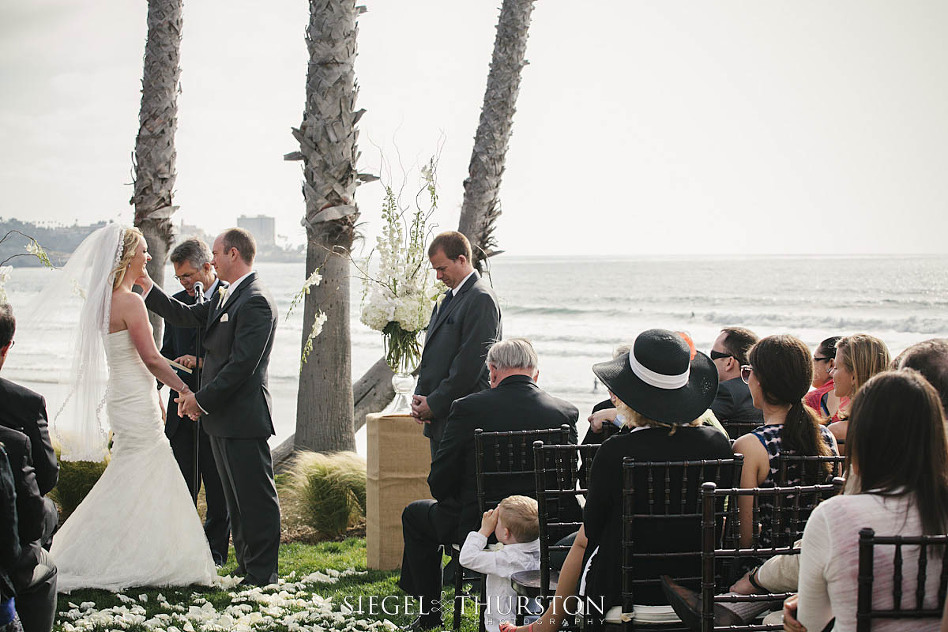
(663, 386)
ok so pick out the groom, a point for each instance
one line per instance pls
(234, 401)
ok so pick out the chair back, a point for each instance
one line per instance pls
(795, 469)
(914, 561)
(504, 462)
(560, 474)
(721, 552)
(661, 522)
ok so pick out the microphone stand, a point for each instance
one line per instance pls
(198, 299)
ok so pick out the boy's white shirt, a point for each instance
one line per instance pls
(499, 564)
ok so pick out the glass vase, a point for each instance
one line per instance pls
(402, 354)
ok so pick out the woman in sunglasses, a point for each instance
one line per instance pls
(822, 399)
(779, 375)
(858, 358)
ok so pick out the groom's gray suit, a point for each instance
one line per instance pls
(238, 337)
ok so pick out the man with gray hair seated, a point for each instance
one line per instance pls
(514, 402)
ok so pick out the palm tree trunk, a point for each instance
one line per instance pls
(328, 150)
(154, 165)
(481, 206)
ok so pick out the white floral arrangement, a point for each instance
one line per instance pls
(319, 318)
(33, 249)
(397, 301)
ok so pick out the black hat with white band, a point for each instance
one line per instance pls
(663, 378)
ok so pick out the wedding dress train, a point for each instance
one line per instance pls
(137, 526)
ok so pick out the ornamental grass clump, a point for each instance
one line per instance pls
(329, 490)
(76, 478)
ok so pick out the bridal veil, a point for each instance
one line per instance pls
(81, 425)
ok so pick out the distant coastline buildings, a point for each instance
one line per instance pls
(60, 241)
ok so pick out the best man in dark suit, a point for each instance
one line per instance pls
(514, 402)
(192, 264)
(234, 401)
(462, 327)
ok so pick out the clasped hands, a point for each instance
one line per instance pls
(187, 405)
(420, 410)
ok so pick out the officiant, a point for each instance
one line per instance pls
(192, 264)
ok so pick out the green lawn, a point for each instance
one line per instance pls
(320, 589)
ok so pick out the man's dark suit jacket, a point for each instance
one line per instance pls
(517, 403)
(29, 502)
(179, 341)
(238, 339)
(733, 403)
(456, 344)
(23, 410)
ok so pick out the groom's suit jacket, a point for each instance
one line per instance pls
(238, 338)
(456, 343)
(23, 410)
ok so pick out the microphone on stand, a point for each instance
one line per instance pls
(198, 299)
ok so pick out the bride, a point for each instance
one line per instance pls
(137, 526)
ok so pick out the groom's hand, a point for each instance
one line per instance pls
(144, 282)
(188, 406)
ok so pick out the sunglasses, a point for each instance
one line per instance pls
(716, 355)
(746, 371)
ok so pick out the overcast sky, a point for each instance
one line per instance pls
(663, 127)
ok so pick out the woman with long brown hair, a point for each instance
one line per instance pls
(897, 485)
(779, 374)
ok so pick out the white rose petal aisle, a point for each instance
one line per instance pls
(398, 300)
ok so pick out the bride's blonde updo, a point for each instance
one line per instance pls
(130, 241)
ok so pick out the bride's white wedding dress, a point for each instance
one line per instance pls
(137, 526)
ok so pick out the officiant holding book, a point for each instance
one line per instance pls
(192, 264)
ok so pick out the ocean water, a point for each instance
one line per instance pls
(576, 310)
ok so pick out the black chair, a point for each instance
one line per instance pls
(808, 470)
(560, 472)
(923, 551)
(661, 531)
(723, 557)
(504, 462)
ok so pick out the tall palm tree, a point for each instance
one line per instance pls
(481, 206)
(154, 162)
(328, 150)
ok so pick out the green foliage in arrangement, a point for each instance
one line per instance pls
(76, 478)
(329, 490)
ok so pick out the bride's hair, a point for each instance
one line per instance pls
(129, 245)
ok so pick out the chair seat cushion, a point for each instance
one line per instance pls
(642, 614)
(528, 582)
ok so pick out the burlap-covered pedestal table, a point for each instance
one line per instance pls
(397, 473)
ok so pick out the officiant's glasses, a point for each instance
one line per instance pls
(184, 277)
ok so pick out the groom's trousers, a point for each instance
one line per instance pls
(246, 472)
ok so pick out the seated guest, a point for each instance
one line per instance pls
(822, 399)
(663, 386)
(9, 545)
(604, 413)
(516, 525)
(898, 458)
(858, 358)
(732, 404)
(25, 411)
(781, 573)
(514, 402)
(779, 374)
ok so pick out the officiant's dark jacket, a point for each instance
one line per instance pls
(456, 344)
(25, 411)
(517, 403)
(238, 338)
(179, 341)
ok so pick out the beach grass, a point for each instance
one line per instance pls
(320, 589)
